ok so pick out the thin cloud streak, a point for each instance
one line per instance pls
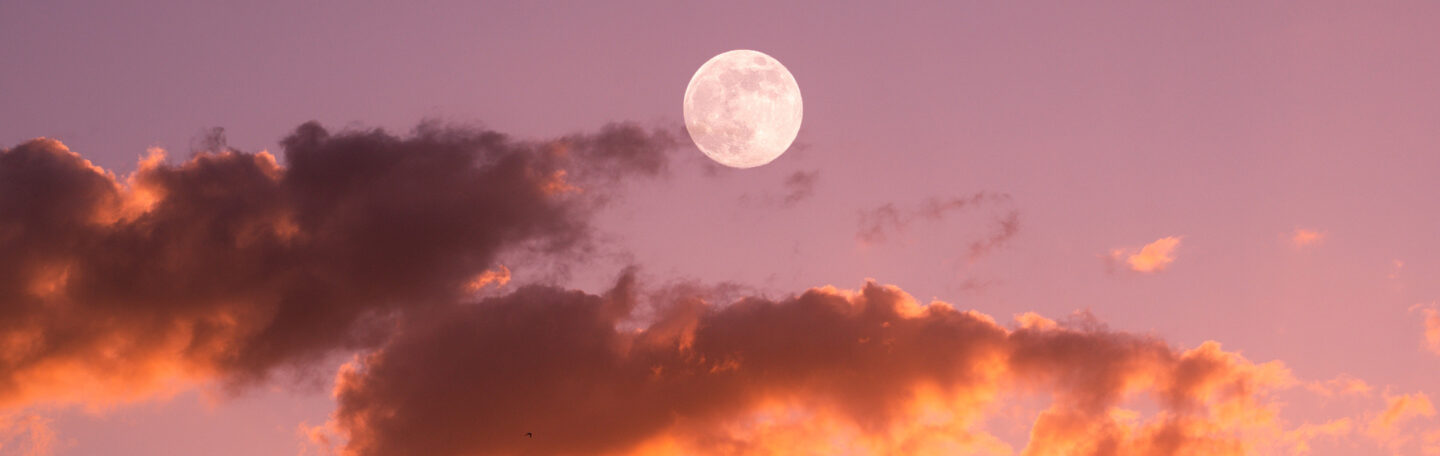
(878, 224)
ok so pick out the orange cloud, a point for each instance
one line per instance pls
(1385, 426)
(1431, 443)
(1302, 237)
(1153, 257)
(868, 372)
(1299, 438)
(1432, 329)
(110, 292)
(1343, 385)
(498, 276)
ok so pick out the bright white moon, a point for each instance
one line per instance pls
(742, 108)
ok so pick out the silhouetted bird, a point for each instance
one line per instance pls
(530, 435)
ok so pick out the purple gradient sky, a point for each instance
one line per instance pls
(1228, 123)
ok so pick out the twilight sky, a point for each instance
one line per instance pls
(431, 227)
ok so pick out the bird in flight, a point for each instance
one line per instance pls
(530, 435)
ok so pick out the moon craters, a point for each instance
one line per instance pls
(743, 108)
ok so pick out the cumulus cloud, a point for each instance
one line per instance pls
(1302, 237)
(1153, 257)
(231, 264)
(869, 371)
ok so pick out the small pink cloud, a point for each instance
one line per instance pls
(1153, 257)
(1432, 326)
(1303, 237)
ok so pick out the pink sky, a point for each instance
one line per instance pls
(1264, 175)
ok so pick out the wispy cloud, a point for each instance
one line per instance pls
(1430, 318)
(1340, 386)
(1385, 425)
(799, 186)
(26, 434)
(1302, 237)
(878, 224)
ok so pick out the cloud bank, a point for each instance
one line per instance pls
(230, 266)
(869, 371)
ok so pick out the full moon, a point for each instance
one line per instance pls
(742, 108)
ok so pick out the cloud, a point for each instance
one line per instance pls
(497, 277)
(26, 434)
(868, 371)
(1343, 385)
(1431, 320)
(800, 186)
(1385, 426)
(1153, 257)
(1302, 237)
(1398, 267)
(878, 223)
(1005, 228)
(231, 264)
(1300, 438)
(1432, 330)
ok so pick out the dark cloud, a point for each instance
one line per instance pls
(799, 186)
(1005, 227)
(699, 378)
(232, 264)
(877, 224)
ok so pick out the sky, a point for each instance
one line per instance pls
(387, 228)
